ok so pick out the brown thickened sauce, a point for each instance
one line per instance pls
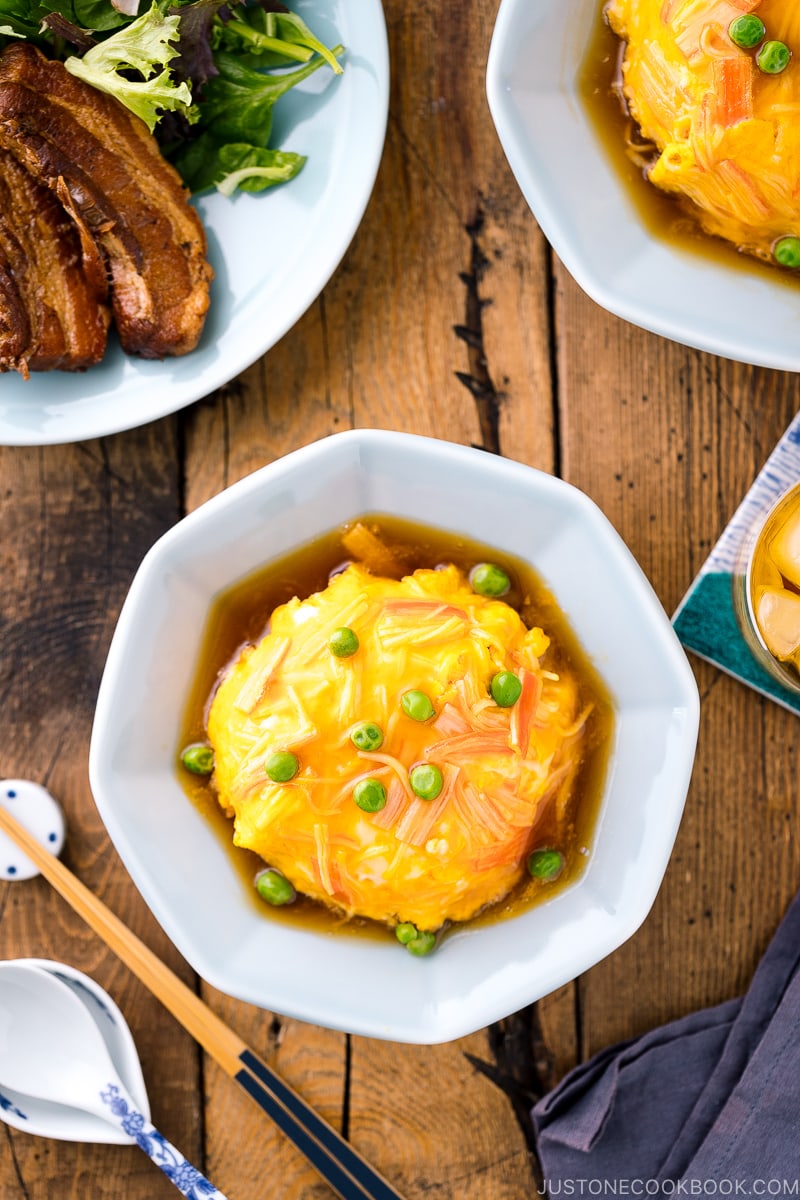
(240, 616)
(664, 216)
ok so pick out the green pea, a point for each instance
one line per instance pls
(747, 31)
(198, 758)
(416, 941)
(370, 795)
(417, 705)
(366, 736)
(422, 944)
(505, 688)
(426, 781)
(487, 579)
(773, 57)
(273, 886)
(282, 766)
(545, 864)
(343, 642)
(786, 251)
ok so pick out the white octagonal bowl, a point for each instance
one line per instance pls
(588, 215)
(184, 873)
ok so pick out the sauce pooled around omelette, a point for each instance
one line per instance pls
(714, 86)
(403, 749)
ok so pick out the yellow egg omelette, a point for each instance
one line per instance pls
(411, 794)
(724, 117)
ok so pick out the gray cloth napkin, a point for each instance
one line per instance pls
(707, 1105)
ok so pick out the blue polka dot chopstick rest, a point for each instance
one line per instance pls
(40, 814)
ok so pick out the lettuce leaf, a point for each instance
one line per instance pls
(253, 168)
(195, 60)
(144, 47)
(292, 28)
(199, 73)
(269, 38)
(19, 18)
(97, 15)
(205, 163)
(237, 103)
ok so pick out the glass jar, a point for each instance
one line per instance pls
(767, 590)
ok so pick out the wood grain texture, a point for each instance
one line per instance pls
(436, 323)
(449, 316)
(74, 524)
(667, 441)
(242, 1146)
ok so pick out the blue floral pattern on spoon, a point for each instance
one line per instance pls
(186, 1178)
(8, 1106)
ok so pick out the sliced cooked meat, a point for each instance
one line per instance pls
(107, 167)
(15, 328)
(52, 310)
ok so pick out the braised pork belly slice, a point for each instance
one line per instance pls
(104, 163)
(52, 304)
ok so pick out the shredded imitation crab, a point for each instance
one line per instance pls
(369, 831)
(715, 86)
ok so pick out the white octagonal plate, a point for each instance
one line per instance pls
(373, 987)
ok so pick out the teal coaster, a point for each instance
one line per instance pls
(705, 620)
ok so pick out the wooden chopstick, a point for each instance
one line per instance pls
(335, 1159)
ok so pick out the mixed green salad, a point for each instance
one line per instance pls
(203, 74)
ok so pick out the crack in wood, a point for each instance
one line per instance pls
(522, 1068)
(55, 755)
(477, 380)
(275, 1033)
(24, 1192)
(346, 1091)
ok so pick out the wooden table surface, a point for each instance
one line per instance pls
(449, 316)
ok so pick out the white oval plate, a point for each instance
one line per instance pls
(272, 253)
(585, 211)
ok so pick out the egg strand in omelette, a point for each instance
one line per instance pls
(715, 86)
(392, 748)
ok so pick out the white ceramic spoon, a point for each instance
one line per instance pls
(51, 1049)
(45, 1119)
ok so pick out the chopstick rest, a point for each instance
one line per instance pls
(40, 814)
(339, 1164)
